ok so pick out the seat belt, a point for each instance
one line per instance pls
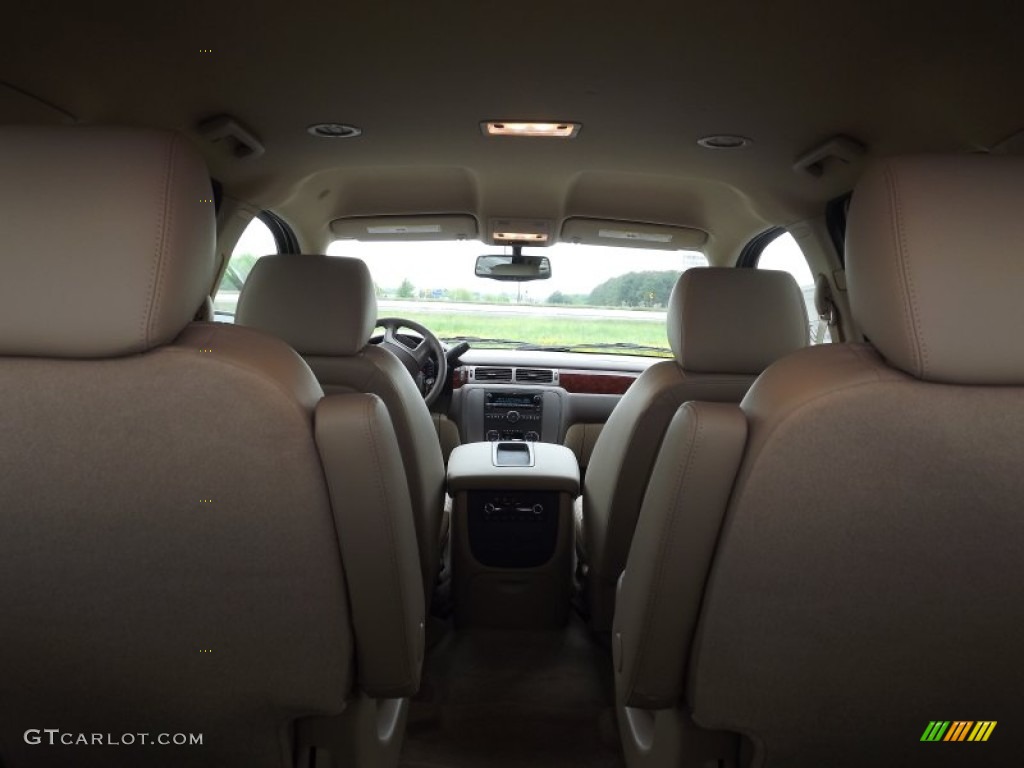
(828, 315)
(819, 331)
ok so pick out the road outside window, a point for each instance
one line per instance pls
(598, 299)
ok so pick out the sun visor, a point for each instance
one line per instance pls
(630, 234)
(371, 228)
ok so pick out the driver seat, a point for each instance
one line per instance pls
(326, 309)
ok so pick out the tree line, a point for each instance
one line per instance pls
(633, 289)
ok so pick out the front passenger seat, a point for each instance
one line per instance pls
(326, 309)
(725, 326)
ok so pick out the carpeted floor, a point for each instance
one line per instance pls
(511, 699)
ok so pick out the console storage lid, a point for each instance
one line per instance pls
(513, 465)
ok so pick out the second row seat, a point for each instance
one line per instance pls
(725, 326)
(325, 308)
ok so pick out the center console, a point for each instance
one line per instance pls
(512, 533)
(493, 412)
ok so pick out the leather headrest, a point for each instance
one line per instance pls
(935, 266)
(735, 321)
(107, 240)
(320, 305)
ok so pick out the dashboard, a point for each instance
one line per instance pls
(536, 396)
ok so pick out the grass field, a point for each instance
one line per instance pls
(487, 321)
(554, 331)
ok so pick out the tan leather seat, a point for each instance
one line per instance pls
(725, 326)
(835, 564)
(580, 438)
(326, 309)
(193, 540)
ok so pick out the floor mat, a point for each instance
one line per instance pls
(515, 699)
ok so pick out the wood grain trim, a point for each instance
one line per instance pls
(577, 382)
(595, 383)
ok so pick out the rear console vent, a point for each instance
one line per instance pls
(535, 375)
(492, 374)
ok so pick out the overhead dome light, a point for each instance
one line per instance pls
(520, 237)
(334, 130)
(725, 141)
(520, 128)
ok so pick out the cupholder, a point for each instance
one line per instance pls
(512, 454)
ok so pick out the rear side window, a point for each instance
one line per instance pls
(257, 240)
(784, 254)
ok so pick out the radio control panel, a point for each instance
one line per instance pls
(498, 411)
(513, 414)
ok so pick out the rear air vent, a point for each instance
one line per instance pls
(535, 375)
(492, 374)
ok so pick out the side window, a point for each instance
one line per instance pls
(257, 240)
(784, 254)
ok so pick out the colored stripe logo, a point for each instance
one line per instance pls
(958, 730)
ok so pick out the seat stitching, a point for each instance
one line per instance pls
(653, 594)
(911, 320)
(638, 429)
(379, 381)
(163, 227)
(392, 554)
(641, 428)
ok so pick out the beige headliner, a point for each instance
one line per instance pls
(645, 79)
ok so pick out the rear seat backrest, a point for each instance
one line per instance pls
(725, 326)
(176, 555)
(843, 564)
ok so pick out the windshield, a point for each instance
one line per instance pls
(597, 299)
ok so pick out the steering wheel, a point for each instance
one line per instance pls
(415, 357)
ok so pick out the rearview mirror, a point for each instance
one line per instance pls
(516, 268)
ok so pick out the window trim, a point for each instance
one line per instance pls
(835, 221)
(218, 194)
(752, 251)
(284, 235)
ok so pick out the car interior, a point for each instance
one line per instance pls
(454, 386)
